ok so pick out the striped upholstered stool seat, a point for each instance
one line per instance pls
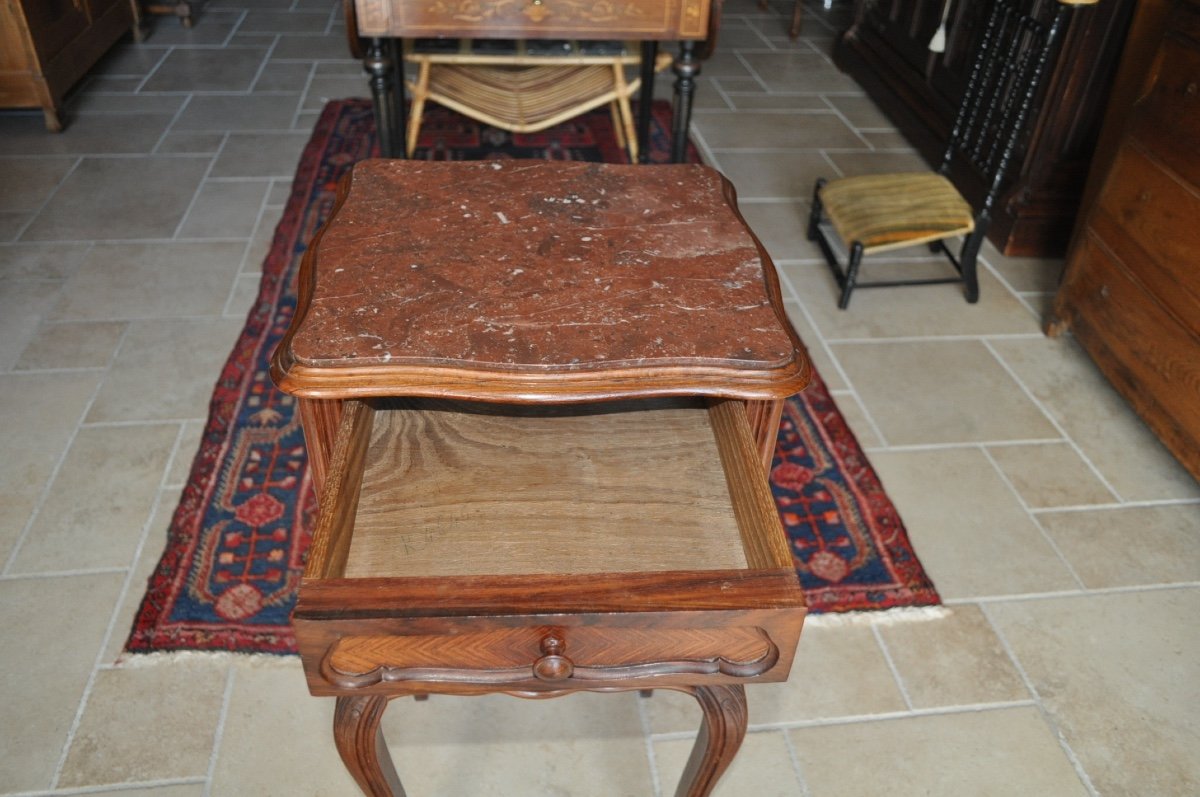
(889, 211)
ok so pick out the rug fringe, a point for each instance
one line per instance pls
(168, 657)
(900, 614)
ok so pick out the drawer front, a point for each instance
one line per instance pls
(637, 19)
(1167, 121)
(547, 653)
(1152, 360)
(1148, 218)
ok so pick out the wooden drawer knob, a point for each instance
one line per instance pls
(553, 665)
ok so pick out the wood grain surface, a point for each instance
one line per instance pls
(457, 489)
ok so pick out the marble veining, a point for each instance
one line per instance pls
(538, 265)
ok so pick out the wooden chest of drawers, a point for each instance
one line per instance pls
(1131, 291)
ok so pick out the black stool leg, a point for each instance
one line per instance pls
(970, 255)
(814, 216)
(856, 256)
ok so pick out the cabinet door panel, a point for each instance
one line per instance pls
(53, 24)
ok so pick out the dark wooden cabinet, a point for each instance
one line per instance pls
(886, 49)
(1131, 291)
(46, 46)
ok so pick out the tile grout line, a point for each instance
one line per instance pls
(1032, 517)
(219, 733)
(101, 653)
(24, 228)
(44, 494)
(108, 788)
(1053, 421)
(862, 719)
(1041, 706)
(212, 163)
(895, 671)
(797, 768)
(648, 743)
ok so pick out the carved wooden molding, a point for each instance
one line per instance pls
(552, 656)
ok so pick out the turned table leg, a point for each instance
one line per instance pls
(721, 734)
(360, 741)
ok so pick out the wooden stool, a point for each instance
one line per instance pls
(539, 400)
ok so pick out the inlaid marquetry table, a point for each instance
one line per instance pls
(539, 401)
(383, 23)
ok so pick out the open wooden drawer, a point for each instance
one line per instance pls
(466, 547)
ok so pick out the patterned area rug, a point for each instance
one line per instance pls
(228, 578)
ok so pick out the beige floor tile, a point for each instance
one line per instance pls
(97, 100)
(1007, 752)
(581, 745)
(165, 370)
(816, 348)
(331, 47)
(1025, 274)
(40, 412)
(228, 69)
(225, 209)
(147, 723)
(182, 790)
(260, 244)
(287, 76)
(785, 175)
(131, 600)
(940, 392)
(12, 224)
(239, 112)
(243, 296)
(1131, 546)
(857, 419)
(260, 155)
(745, 99)
(781, 228)
(50, 261)
(886, 140)
(52, 629)
(915, 311)
(967, 527)
(324, 88)
(754, 129)
(151, 280)
(850, 164)
(277, 738)
(256, 759)
(861, 112)
(1120, 676)
(71, 345)
(763, 767)
(190, 143)
(1050, 474)
(185, 455)
(956, 660)
(125, 134)
(100, 500)
(1071, 388)
(797, 70)
(118, 198)
(23, 305)
(38, 177)
(838, 672)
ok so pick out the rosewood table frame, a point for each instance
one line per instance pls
(367, 640)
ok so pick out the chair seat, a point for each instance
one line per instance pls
(888, 211)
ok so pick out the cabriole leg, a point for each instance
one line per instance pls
(721, 735)
(360, 742)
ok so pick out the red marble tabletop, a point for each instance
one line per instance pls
(516, 280)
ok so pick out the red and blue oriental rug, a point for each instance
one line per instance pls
(227, 580)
